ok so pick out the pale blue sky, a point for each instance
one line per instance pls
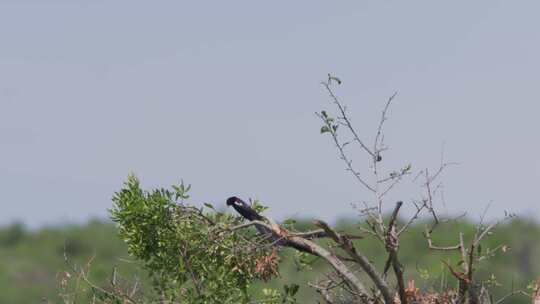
(223, 95)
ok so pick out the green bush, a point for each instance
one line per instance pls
(192, 255)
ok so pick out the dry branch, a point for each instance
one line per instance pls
(302, 244)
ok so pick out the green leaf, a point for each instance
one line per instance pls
(406, 168)
(289, 222)
(325, 129)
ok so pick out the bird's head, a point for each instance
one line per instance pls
(231, 200)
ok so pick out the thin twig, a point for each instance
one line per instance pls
(346, 119)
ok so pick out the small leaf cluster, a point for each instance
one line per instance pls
(287, 296)
(329, 123)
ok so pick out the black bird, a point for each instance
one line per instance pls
(248, 213)
(244, 209)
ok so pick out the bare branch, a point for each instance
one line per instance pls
(392, 246)
(342, 154)
(302, 244)
(320, 233)
(376, 147)
(361, 260)
(427, 235)
(511, 294)
(324, 292)
(346, 119)
(412, 219)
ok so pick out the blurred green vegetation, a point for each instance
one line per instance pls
(32, 262)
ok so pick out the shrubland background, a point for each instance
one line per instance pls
(32, 263)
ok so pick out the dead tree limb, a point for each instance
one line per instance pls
(305, 245)
(347, 245)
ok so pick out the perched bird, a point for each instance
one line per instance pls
(244, 209)
(250, 214)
